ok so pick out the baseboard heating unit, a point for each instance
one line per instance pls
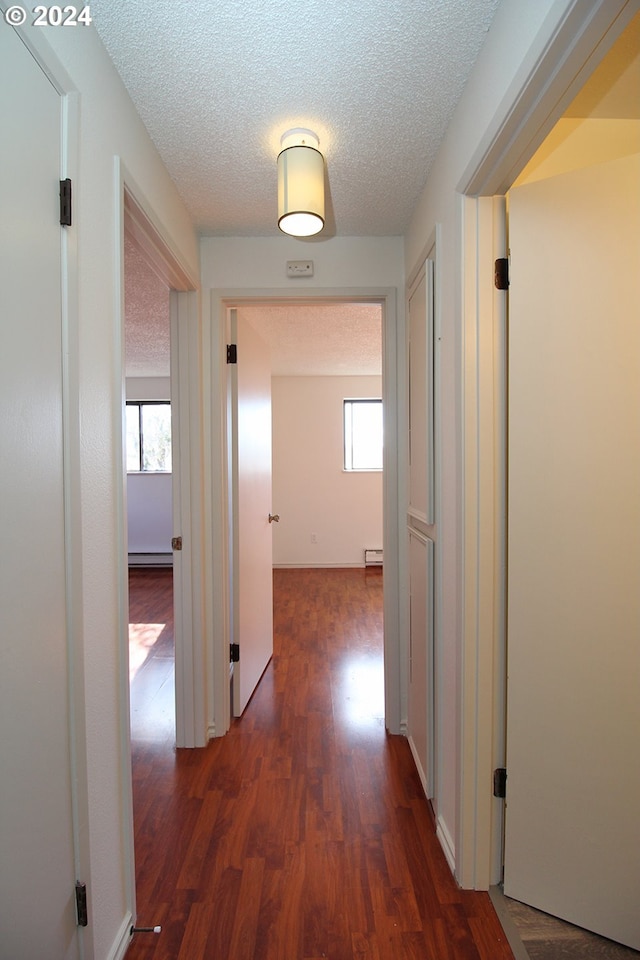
(373, 558)
(150, 559)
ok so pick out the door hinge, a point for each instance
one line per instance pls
(234, 653)
(176, 543)
(501, 273)
(65, 203)
(232, 353)
(500, 782)
(82, 913)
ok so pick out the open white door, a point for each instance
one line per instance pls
(37, 876)
(252, 585)
(572, 843)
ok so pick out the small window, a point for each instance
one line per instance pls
(363, 434)
(148, 425)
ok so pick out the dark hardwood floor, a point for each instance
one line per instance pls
(304, 833)
(151, 656)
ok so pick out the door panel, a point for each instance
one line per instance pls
(573, 789)
(421, 412)
(37, 876)
(421, 686)
(253, 550)
(421, 527)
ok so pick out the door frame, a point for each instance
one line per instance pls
(565, 53)
(45, 58)
(134, 214)
(218, 613)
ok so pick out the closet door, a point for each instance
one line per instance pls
(37, 874)
(422, 528)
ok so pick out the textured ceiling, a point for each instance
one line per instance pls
(217, 83)
(146, 317)
(320, 340)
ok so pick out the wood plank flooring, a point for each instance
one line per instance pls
(304, 833)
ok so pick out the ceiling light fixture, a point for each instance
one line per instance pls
(300, 184)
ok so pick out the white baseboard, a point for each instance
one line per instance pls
(318, 566)
(416, 760)
(150, 559)
(122, 941)
(446, 843)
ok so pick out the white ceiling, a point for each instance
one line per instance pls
(217, 82)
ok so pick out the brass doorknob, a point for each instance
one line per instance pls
(274, 518)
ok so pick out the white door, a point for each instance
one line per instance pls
(421, 528)
(572, 844)
(253, 549)
(37, 875)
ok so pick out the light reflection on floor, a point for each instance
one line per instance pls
(360, 695)
(142, 637)
(151, 682)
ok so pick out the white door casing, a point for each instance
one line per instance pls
(573, 787)
(37, 851)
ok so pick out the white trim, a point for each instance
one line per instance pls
(122, 941)
(484, 534)
(189, 650)
(571, 42)
(190, 676)
(218, 504)
(122, 573)
(416, 759)
(446, 842)
(326, 566)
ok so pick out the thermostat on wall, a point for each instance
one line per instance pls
(299, 268)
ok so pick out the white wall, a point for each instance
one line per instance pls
(312, 492)
(256, 262)
(108, 128)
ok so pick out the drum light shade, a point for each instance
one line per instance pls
(300, 184)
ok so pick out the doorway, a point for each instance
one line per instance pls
(573, 615)
(148, 465)
(310, 539)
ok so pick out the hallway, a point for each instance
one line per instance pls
(304, 833)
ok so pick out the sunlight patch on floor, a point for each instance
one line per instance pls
(361, 689)
(142, 637)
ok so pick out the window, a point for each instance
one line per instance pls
(148, 425)
(363, 434)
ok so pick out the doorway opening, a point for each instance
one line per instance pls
(149, 484)
(564, 182)
(312, 374)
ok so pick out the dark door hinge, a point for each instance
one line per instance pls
(176, 543)
(234, 653)
(501, 273)
(81, 905)
(500, 782)
(65, 203)
(232, 353)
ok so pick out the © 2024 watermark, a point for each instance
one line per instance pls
(53, 16)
